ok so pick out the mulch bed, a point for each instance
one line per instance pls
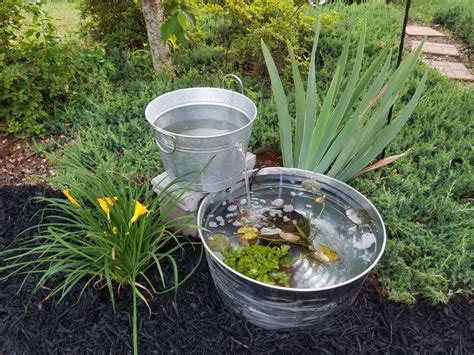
(195, 321)
(18, 161)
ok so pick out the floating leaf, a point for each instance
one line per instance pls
(311, 185)
(290, 237)
(330, 253)
(320, 198)
(218, 242)
(358, 217)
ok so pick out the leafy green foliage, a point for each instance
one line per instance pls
(423, 198)
(179, 20)
(233, 28)
(30, 90)
(110, 231)
(458, 16)
(262, 263)
(327, 143)
(116, 24)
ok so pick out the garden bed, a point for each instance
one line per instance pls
(195, 320)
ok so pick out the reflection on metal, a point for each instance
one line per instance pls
(200, 125)
(324, 295)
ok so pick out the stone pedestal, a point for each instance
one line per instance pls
(190, 201)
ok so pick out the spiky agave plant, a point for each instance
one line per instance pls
(347, 134)
(109, 231)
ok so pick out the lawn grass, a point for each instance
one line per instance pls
(65, 16)
(425, 198)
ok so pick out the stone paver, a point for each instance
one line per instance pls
(437, 48)
(452, 70)
(415, 30)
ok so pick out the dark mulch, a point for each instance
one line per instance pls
(197, 322)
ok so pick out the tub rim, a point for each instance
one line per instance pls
(306, 174)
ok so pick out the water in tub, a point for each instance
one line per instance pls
(201, 120)
(342, 243)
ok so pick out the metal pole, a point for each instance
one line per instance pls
(400, 53)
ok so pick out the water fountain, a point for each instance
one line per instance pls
(328, 235)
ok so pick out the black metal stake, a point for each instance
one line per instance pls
(399, 58)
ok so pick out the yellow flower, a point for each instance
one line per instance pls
(70, 198)
(111, 201)
(105, 207)
(114, 230)
(139, 210)
(105, 203)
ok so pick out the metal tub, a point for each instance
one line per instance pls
(274, 307)
(186, 154)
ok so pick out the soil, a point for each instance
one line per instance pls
(19, 162)
(267, 158)
(195, 321)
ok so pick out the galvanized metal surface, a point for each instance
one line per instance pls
(274, 307)
(185, 154)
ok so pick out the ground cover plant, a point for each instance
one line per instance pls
(110, 231)
(458, 17)
(425, 198)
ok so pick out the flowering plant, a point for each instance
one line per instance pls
(110, 230)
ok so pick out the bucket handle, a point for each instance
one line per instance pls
(236, 78)
(173, 141)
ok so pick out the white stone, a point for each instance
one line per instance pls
(190, 200)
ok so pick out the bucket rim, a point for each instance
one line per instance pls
(178, 135)
(306, 174)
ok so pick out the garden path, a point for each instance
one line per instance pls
(439, 52)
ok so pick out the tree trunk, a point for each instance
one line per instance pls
(153, 15)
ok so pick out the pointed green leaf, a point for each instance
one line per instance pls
(386, 135)
(300, 97)
(343, 105)
(282, 108)
(310, 102)
(346, 140)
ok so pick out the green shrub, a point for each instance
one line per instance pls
(233, 29)
(39, 74)
(116, 24)
(458, 16)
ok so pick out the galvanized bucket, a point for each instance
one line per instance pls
(275, 307)
(199, 126)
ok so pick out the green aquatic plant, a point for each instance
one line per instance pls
(262, 263)
(350, 129)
